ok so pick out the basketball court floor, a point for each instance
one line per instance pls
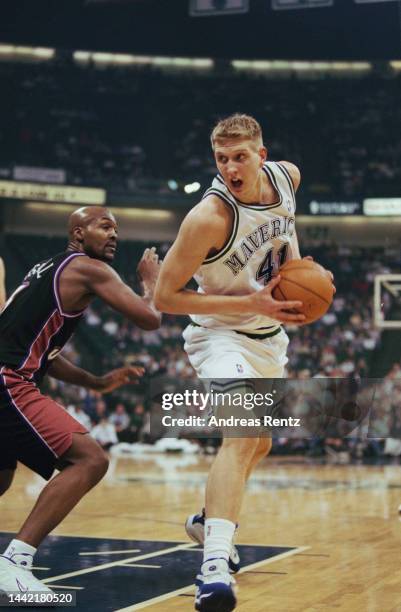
(312, 537)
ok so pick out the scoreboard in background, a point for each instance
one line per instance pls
(204, 8)
(279, 5)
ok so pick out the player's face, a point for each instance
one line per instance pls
(100, 238)
(239, 163)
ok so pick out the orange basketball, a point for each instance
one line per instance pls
(307, 281)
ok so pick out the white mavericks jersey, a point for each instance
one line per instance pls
(260, 242)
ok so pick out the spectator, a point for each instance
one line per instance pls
(105, 433)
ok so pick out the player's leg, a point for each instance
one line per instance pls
(261, 451)
(8, 465)
(237, 357)
(83, 466)
(224, 494)
(6, 478)
(227, 477)
(42, 435)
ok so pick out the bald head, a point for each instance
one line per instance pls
(93, 230)
(82, 217)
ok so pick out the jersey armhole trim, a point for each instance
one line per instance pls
(272, 178)
(289, 180)
(234, 230)
(56, 288)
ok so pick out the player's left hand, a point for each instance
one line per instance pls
(149, 267)
(121, 376)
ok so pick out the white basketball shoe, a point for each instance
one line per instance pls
(19, 579)
(215, 588)
(195, 528)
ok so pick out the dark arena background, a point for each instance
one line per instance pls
(112, 102)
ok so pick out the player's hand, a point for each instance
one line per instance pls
(149, 267)
(117, 378)
(265, 304)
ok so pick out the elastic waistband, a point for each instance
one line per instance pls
(248, 335)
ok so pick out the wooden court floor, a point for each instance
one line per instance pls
(340, 522)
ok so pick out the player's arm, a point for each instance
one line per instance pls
(295, 175)
(64, 370)
(205, 229)
(90, 277)
(2, 284)
(294, 244)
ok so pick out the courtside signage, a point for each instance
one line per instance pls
(52, 193)
(376, 207)
(337, 207)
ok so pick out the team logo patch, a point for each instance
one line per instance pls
(240, 368)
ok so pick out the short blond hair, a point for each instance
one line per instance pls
(237, 126)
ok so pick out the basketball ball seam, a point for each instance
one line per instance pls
(281, 292)
(287, 280)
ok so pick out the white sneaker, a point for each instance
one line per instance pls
(216, 588)
(195, 528)
(14, 578)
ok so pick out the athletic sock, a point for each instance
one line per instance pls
(218, 539)
(20, 553)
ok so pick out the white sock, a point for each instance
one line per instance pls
(218, 539)
(20, 553)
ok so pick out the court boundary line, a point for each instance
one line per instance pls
(176, 541)
(183, 590)
(120, 562)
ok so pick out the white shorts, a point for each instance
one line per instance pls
(223, 353)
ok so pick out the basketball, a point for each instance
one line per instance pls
(309, 282)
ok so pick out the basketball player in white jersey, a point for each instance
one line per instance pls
(233, 243)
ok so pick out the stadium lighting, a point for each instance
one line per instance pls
(192, 187)
(82, 56)
(19, 52)
(132, 213)
(173, 185)
(299, 66)
(118, 59)
(143, 213)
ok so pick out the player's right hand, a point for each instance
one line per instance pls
(283, 311)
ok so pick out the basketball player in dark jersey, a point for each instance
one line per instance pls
(36, 322)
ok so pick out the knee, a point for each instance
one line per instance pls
(242, 448)
(6, 478)
(89, 455)
(97, 464)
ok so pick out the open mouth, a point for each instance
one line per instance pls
(111, 247)
(236, 184)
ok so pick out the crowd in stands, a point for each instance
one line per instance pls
(344, 343)
(125, 129)
(133, 130)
